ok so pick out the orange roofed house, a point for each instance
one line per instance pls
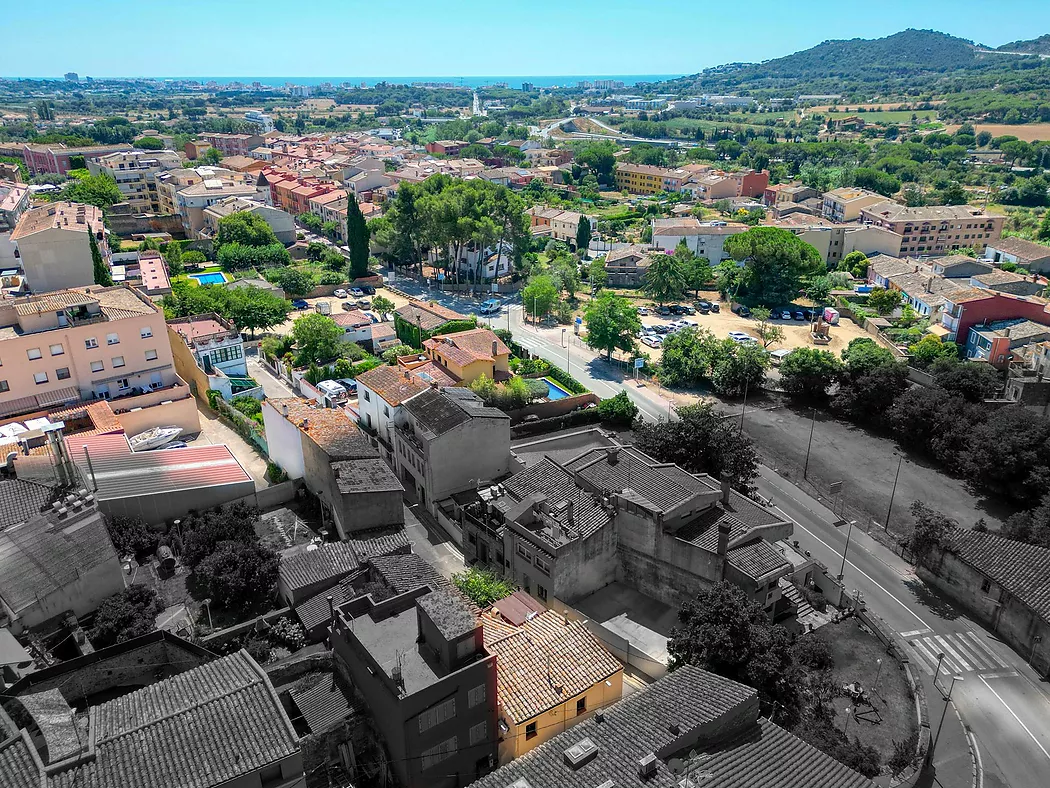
(470, 354)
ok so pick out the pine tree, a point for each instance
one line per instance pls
(102, 275)
(357, 237)
(583, 235)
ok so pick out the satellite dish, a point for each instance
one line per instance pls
(676, 765)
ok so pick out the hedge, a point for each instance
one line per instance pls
(565, 379)
(573, 419)
(410, 333)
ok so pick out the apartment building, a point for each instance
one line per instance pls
(936, 229)
(52, 242)
(419, 660)
(971, 307)
(14, 201)
(446, 147)
(640, 178)
(192, 201)
(281, 222)
(835, 241)
(234, 144)
(558, 224)
(60, 159)
(73, 345)
(845, 204)
(136, 173)
(726, 185)
(263, 122)
(169, 183)
(703, 239)
(448, 442)
(380, 394)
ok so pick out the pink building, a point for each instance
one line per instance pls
(56, 158)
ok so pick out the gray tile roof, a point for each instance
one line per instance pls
(366, 475)
(202, 728)
(554, 481)
(406, 572)
(738, 749)
(1026, 251)
(757, 559)
(38, 558)
(384, 541)
(741, 513)
(1023, 570)
(20, 499)
(17, 764)
(314, 611)
(322, 702)
(435, 412)
(336, 559)
(630, 469)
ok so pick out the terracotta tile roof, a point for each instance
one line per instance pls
(1026, 251)
(314, 612)
(738, 748)
(332, 560)
(435, 373)
(17, 762)
(392, 384)
(64, 215)
(969, 294)
(191, 328)
(464, 347)
(545, 654)
(627, 252)
(430, 316)
(322, 702)
(20, 499)
(1022, 569)
(405, 572)
(202, 728)
(355, 318)
(331, 429)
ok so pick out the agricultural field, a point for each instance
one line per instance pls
(1029, 132)
(887, 116)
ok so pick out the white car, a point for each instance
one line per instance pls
(741, 337)
(340, 293)
(643, 311)
(356, 292)
(654, 340)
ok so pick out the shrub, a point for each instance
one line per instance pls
(567, 381)
(275, 473)
(214, 395)
(331, 278)
(249, 406)
(131, 536)
(238, 574)
(813, 652)
(618, 409)
(126, 615)
(903, 754)
(816, 600)
(288, 633)
(482, 586)
(258, 649)
(203, 531)
(533, 366)
(390, 355)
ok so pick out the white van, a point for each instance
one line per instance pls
(491, 307)
(777, 356)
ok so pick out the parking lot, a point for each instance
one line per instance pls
(335, 305)
(721, 323)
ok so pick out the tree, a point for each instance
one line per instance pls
(238, 574)
(929, 349)
(245, 228)
(583, 235)
(98, 190)
(855, 263)
(357, 239)
(202, 531)
(317, 339)
(597, 274)
(383, 306)
(482, 586)
(971, 381)
(664, 278)
(767, 332)
(884, 301)
(253, 308)
(698, 272)
(808, 373)
(931, 529)
(818, 288)
(98, 265)
(612, 323)
(193, 257)
(131, 536)
(701, 441)
(600, 157)
(740, 368)
(618, 409)
(235, 256)
(210, 157)
(128, 614)
(775, 261)
(566, 274)
(725, 632)
(1009, 454)
(1044, 228)
(1032, 526)
(148, 143)
(294, 281)
(539, 296)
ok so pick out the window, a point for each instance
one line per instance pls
(33, 353)
(542, 565)
(151, 355)
(3, 386)
(478, 733)
(57, 350)
(465, 648)
(541, 592)
(97, 366)
(368, 398)
(62, 373)
(90, 342)
(523, 551)
(123, 384)
(433, 756)
(386, 411)
(112, 339)
(117, 362)
(146, 332)
(530, 731)
(986, 586)
(581, 706)
(40, 377)
(436, 715)
(475, 696)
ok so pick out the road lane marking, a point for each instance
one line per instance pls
(1014, 715)
(915, 632)
(979, 782)
(962, 663)
(926, 659)
(987, 650)
(869, 578)
(1008, 674)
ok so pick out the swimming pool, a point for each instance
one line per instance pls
(554, 391)
(210, 279)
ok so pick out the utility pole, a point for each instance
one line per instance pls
(897, 476)
(849, 533)
(743, 409)
(812, 425)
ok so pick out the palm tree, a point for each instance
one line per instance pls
(664, 279)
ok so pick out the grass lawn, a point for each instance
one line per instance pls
(856, 651)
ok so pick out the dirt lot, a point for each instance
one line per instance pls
(1029, 132)
(796, 333)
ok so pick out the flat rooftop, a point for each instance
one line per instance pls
(395, 637)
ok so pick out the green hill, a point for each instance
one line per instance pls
(1035, 46)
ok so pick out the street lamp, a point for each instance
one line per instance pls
(812, 425)
(936, 673)
(849, 532)
(743, 408)
(878, 673)
(947, 700)
(1035, 642)
(207, 606)
(900, 462)
(845, 730)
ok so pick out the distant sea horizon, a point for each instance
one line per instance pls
(560, 80)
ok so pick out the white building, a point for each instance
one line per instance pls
(703, 239)
(264, 123)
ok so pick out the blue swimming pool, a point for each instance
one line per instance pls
(554, 391)
(210, 279)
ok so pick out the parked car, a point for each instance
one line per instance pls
(664, 310)
(714, 307)
(688, 310)
(662, 329)
(704, 306)
(356, 292)
(364, 303)
(491, 307)
(173, 445)
(643, 311)
(368, 290)
(348, 383)
(340, 293)
(798, 314)
(741, 337)
(742, 310)
(299, 303)
(349, 306)
(652, 341)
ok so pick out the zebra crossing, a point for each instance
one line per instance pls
(964, 652)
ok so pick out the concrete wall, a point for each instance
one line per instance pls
(476, 450)
(186, 365)
(360, 511)
(558, 407)
(284, 442)
(156, 508)
(178, 413)
(56, 259)
(82, 596)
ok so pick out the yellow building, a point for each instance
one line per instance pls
(467, 355)
(551, 673)
(641, 178)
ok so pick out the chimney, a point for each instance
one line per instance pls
(612, 454)
(306, 424)
(725, 490)
(331, 608)
(723, 546)
(494, 345)
(284, 409)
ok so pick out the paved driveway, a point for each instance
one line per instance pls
(215, 431)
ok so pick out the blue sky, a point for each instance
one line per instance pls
(464, 37)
